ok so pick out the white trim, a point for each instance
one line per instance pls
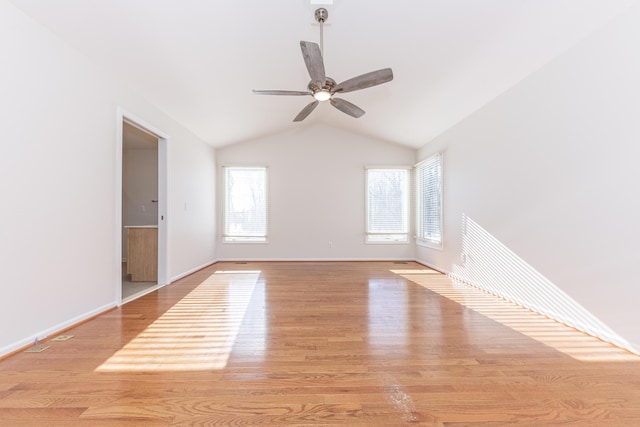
(313, 259)
(118, 204)
(428, 244)
(243, 165)
(123, 116)
(164, 218)
(191, 271)
(44, 334)
(245, 242)
(367, 167)
(142, 293)
(391, 242)
(141, 124)
(431, 266)
(428, 158)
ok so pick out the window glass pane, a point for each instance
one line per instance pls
(387, 205)
(245, 217)
(429, 201)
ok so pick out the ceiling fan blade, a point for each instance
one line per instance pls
(365, 80)
(313, 60)
(281, 92)
(306, 111)
(347, 107)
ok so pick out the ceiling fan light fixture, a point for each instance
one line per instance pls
(322, 95)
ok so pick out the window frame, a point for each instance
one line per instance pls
(229, 238)
(407, 208)
(436, 160)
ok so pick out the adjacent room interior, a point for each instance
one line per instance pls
(419, 212)
(139, 211)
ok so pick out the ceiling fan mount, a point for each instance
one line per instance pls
(321, 14)
(323, 88)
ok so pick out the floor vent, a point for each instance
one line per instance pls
(241, 262)
(399, 262)
(36, 349)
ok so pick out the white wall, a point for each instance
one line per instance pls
(543, 184)
(192, 215)
(316, 194)
(58, 116)
(139, 188)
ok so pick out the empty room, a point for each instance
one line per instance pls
(320, 213)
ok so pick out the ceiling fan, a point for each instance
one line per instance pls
(323, 88)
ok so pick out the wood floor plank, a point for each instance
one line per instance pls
(321, 344)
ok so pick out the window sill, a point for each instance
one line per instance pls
(430, 245)
(245, 241)
(378, 239)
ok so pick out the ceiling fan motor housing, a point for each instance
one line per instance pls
(329, 84)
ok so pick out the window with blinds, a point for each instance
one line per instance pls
(245, 204)
(387, 205)
(428, 175)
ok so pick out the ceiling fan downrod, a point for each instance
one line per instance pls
(321, 16)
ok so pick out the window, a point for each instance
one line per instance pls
(387, 205)
(429, 202)
(245, 204)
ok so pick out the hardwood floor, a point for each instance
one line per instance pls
(321, 344)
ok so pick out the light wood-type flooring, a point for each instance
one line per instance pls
(321, 344)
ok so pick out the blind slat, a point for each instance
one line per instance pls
(429, 200)
(387, 204)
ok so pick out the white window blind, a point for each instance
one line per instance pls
(245, 204)
(387, 205)
(429, 201)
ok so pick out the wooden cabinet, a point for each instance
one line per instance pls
(142, 253)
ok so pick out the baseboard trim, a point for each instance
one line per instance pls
(191, 271)
(431, 266)
(313, 259)
(25, 343)
(615, 340)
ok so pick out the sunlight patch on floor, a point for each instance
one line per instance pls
(195, 334)
(556, 335)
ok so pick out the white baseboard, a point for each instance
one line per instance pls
(431, 266)
(54, 329)
(312, 259)
(191, 271)
(603, 335)
(78, 319)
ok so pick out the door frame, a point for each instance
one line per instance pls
(163, 195)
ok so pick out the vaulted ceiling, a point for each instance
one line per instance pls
(198, 60)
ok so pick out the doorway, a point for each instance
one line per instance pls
(141, 211)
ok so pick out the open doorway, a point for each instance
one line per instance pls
(141, 211)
